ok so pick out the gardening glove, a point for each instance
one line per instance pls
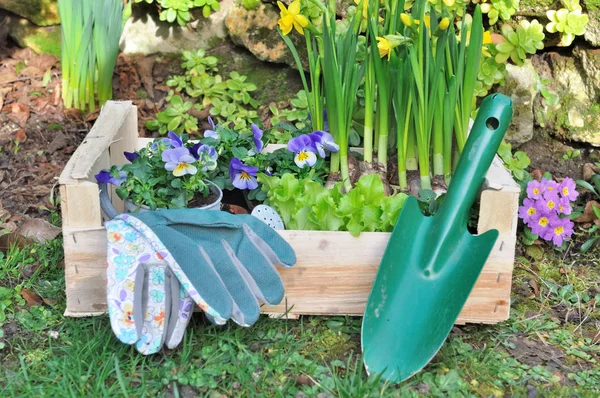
(146, 303)
(225, 262)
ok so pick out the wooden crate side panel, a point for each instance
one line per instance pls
(85, 270)
(331, 276)
(80, 205)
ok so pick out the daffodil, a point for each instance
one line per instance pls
(291, 18)
(384, 46)
(444, 23)
(406, 19)
(487, 39)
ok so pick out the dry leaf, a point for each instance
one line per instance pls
(588, 213)
(534, 286)
(590, 170)
(39, 230)
(19, 113)
(21, 136)
(13, 239)
(537, 174)
(32, 298)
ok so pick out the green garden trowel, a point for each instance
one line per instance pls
(431, 263)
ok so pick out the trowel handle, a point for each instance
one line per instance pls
(493, 118)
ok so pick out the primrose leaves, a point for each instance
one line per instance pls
(306, 204)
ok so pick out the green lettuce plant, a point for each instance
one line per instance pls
(569, 21)
(306, 204)
(527, 39)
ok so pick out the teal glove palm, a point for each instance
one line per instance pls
(229, 259)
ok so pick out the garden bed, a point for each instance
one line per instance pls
(334, 272)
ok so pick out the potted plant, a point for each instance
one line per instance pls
(168, 173)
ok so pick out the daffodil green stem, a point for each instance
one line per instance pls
(383, 125)
(369, 108)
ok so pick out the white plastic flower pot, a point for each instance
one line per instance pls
(130, 207)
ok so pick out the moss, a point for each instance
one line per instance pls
(40, 12)
(42, 40)
(592, 5)
(539, 5)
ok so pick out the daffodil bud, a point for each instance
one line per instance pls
(406, 19)
(449, 3)
(444, 23)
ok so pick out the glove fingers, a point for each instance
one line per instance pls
(121, 273)
(246, 309)
(271, 243)
(182, 306)
(154, 298)
(259, 261)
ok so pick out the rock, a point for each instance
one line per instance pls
(592, 30)
(257, 31)
(41, 39)
(40, 12)
(576, 81)
(144, 33)
(520, 86)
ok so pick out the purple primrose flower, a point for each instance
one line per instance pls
(528, 210)
(535, 190)
(304, 149)
(550, 185)
(257, 136)
(322, 141)
(540, 223)
(559, 229)
(212, 133)
(549, 202)
(567, 189)
(564, 206)
(179, 161)
(104, 177)
(242, 176)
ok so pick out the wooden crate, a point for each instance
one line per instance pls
(334, 272)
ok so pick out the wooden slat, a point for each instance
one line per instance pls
(99, 138)
(80, 205)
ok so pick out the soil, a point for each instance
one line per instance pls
(546, 154)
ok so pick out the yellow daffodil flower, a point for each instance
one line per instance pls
(449, 3)
(444, 24)
(384, 46)
(406, 19)
(487, 39)
(291, 18)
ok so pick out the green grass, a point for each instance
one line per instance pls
(46, 354)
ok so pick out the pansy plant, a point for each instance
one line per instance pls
(169, 173)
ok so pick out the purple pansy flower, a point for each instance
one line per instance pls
(164, 141)
(212, 133)
(257, 135)
(178, 160)
(534, 190)
(175, 140)
(567, 189)
(304, 149)
(242, 176)
(104, 177)
(528, 210)
(131, 156)
(322, 141)
(208, 156)
(549, 202)
(559, 230)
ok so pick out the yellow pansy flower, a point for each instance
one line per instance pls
(291, 18)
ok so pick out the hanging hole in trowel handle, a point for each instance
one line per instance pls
(492, 123)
